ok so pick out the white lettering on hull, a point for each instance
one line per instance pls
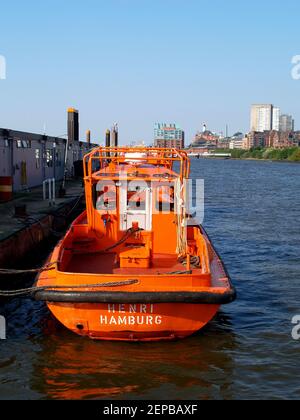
(130, 320)
(130, 315)
(133, 309)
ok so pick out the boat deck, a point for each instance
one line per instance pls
(107, 264)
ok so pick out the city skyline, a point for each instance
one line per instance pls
(124, 62)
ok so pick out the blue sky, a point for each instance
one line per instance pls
(138, 62)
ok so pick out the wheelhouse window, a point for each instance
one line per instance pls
(136, 195)
(105, 196)
(165, 199)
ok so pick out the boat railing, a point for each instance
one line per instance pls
(99, 157)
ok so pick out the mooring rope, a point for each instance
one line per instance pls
(32, 290)
(49, 267)
(9, 271)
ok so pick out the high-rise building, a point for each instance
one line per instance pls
(275, 118)
(168, 135)
(286, 123)
(73, 125)
(262, 117)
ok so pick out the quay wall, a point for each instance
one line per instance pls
(15, 247)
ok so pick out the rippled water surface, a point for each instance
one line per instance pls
(252, 214)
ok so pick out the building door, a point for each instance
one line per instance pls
(5, 158)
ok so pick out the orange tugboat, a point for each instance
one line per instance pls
(135, 266)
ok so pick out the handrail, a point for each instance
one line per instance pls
(118, 154)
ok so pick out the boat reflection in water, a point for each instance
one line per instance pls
(75, 368)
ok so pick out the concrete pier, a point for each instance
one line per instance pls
(22, 234)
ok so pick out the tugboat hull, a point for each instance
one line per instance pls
(134, 322)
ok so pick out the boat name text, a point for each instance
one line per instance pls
(132, 309)
(130, 315)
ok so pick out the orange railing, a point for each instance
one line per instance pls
(156, 156)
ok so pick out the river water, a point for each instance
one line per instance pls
(252, 212)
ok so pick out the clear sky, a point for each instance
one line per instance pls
(136, 62)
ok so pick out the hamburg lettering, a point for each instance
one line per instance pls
(130, 315)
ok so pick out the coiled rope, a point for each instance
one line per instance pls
(195, 261)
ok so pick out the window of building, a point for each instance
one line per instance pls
(49, 158)
(37, 158)
(26, 144)
(23, 144)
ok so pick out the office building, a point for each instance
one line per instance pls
(262, 117)
(275, 118)
(286, 123)
(168, 135)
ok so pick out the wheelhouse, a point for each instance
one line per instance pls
(137, 188)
